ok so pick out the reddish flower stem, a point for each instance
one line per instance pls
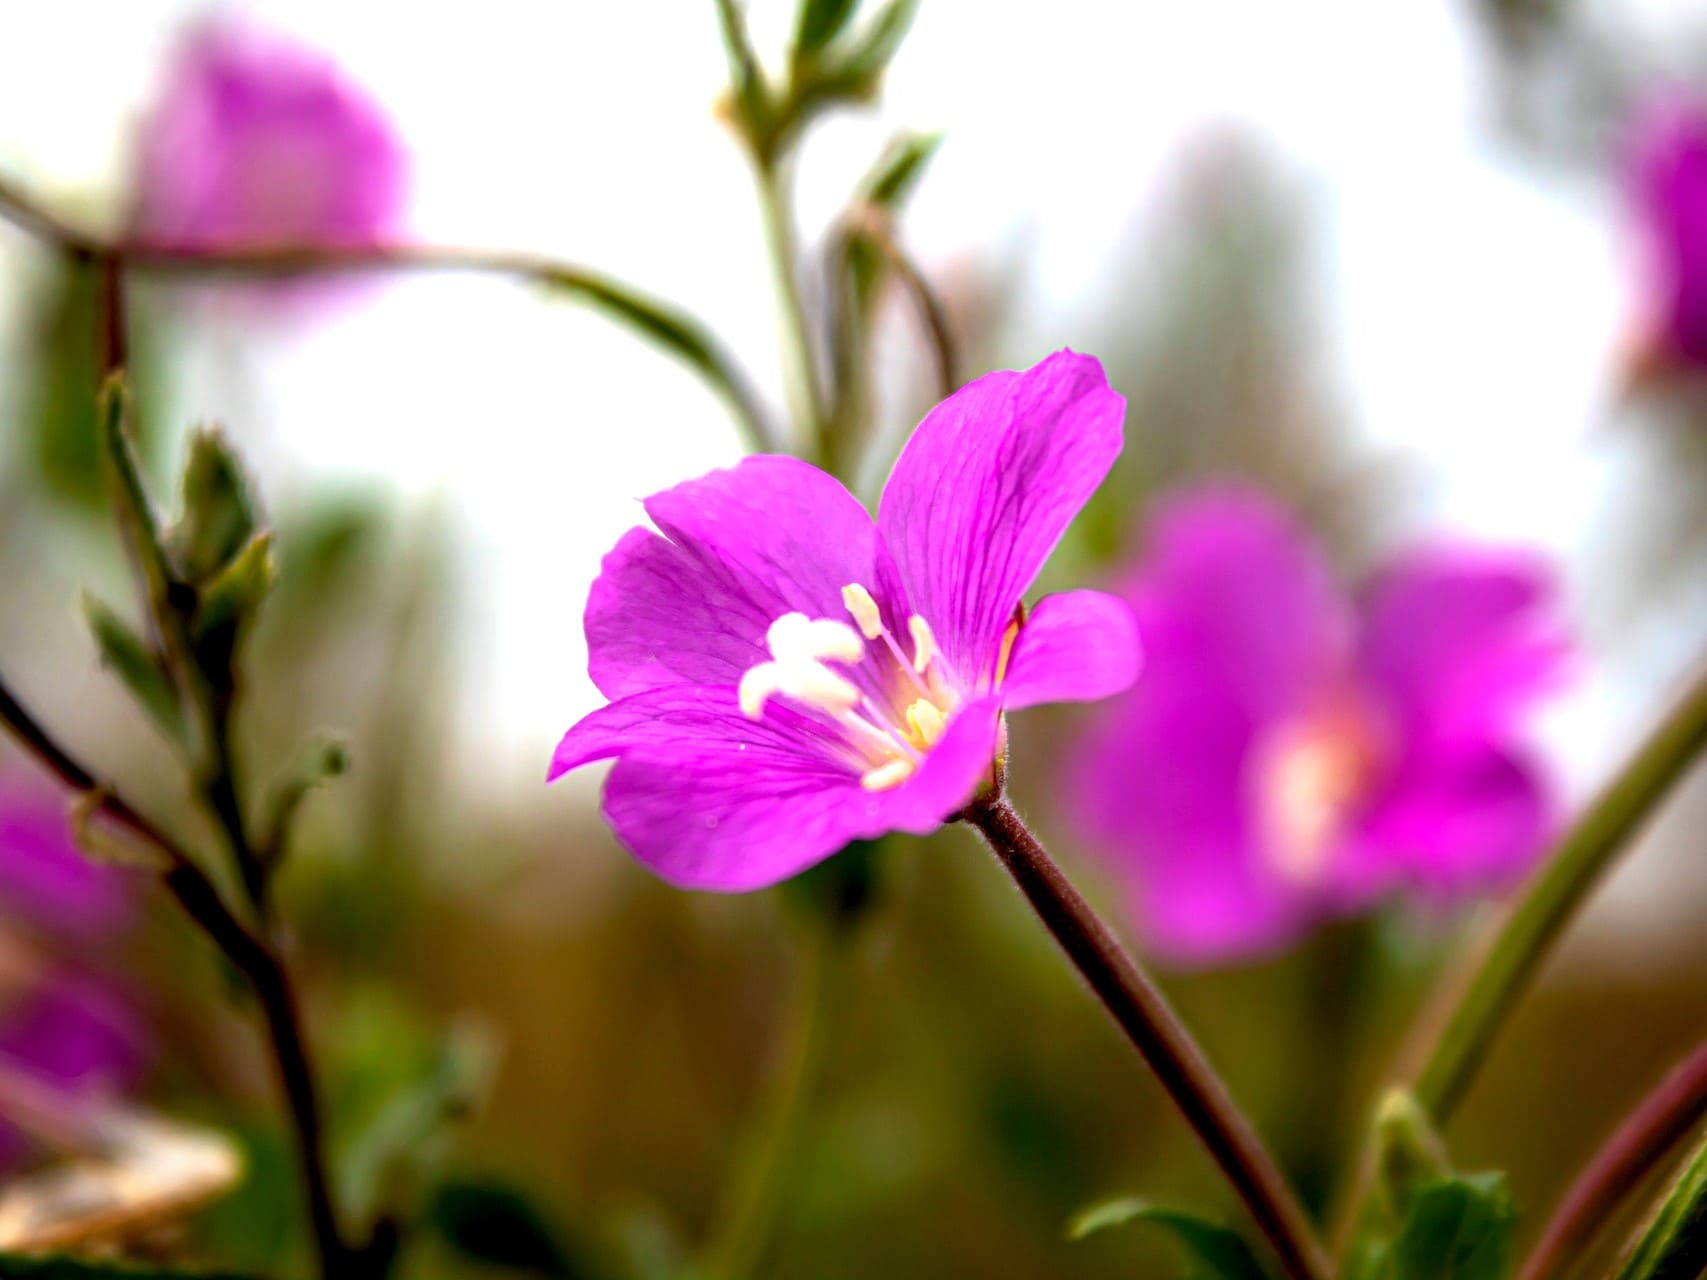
(1143, 1015)
(1640, 1142)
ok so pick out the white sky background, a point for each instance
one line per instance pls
(1473, 315)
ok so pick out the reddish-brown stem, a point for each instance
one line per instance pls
(1144, 1016)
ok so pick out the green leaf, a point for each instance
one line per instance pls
(136, 514)
(496, 1223)
(236, 595)
(749, 96)
(858, 74)
(820, 22)
(20, 1266)
(899, 169)
(1673, 1244)
(218, 517)
(1410, 1154)
(133, 660)
(408, 1138)
(1456, 1229)
(1214, 1252)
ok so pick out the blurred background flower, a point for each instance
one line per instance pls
(69, 1025)
(1293, 751)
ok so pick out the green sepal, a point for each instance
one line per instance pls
(218, 518)
(1213, 1252)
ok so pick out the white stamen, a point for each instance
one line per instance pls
(885, 776)
(927, 722)
(864, 610)
(924, 642)
(796, 638)
(809, 683)
(758, 685)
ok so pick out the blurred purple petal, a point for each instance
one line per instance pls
(44, 877)
(1667, 178)
(258, 142)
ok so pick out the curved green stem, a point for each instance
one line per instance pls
(1552, 900)
(1673, 1245)
(738, 1247)
(808, 386)
(1639, 1143)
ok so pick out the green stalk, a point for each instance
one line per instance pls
(1673, 1246)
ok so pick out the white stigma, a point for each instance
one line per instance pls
(863, 610)
(800, 646)
(924, 642)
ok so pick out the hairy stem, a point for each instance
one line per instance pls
(1636, 1146)
(250, 954)
(1143, 1015)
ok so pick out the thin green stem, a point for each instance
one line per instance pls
(674, 329)
(1479, 1010)
(1144, 1016)
(738, 1249)
(1673, 1244)
(1565, 881)
(1656, 1124)
(807, 385)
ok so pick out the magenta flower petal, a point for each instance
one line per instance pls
(710, 799)
(781, 690)
(1252, 594)
(1667, 182)
(1077, 646)
(1462, 640)
(44, 877)
(739, 548)
(1287, 757)
(1454, 823)
(259, 142)
(986, 487)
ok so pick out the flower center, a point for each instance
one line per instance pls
(1313, 772)
(889, 733)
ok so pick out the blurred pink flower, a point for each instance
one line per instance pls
(259, 142)
(1666, 179)
(64, 1023)
(1290, 754)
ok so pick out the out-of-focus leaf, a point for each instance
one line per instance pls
(841, 889)
(218, 517)
(819, 22)
(129, 657)
(498, 1224)
(1410, 1154)
(130, 494)
(62, 408)
(1214, 1252)
(899, 169)
(237, 593)
(19, 1266)
(748, 94)
(257, 1227)
(858, 73)
(322, 760)
(1455, 1229)
(408, 1138)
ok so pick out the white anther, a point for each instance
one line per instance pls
(864, 610)
(885, 776)
(795, 638)
(924, 642)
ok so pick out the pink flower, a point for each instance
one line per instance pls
(1666, 181)
(1292, 754)
(788, 675)
(65, 1024)
(258, 142)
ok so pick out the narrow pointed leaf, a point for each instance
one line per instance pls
(129, 657)
(218, 513)
(819, 22)
(1673, 1244)
(899, 169)
(1213, 1252)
